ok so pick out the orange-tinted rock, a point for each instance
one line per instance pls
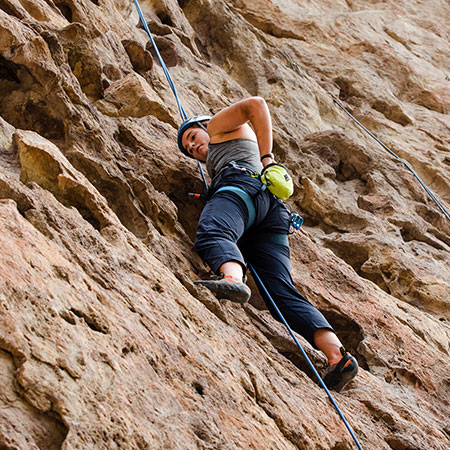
(105, 342)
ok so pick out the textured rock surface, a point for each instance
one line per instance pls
(104, 341)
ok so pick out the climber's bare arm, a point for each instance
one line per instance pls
(233, 123)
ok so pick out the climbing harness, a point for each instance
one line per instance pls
(246, 199)
(405, 163)
(295, 220)
(249, 205)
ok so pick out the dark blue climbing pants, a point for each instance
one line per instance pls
(222, 237)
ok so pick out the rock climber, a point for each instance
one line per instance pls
(244, 221)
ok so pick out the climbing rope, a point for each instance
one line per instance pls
(161, 61)
(311, 365)
(169, 79)
(252, 270)
(405, 163)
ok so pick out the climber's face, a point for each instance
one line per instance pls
(195, 140)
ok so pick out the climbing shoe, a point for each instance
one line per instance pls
(225, 287)
(338, 375)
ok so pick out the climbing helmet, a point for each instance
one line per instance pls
(188, 123)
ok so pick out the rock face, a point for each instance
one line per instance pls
(104, 341)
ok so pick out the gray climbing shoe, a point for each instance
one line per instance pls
(228, 289)
(337, 376)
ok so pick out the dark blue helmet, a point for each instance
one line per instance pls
(188, 123)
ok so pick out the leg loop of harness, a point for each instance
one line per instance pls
(247, 199)
(274, 238)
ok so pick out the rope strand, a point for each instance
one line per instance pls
(169, 79)
(311, 365)
(161, 61)
(405, 163)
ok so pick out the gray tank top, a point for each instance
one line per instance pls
(238, 150)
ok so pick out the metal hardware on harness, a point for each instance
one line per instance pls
(200, 196)
(242, 165)
(296, 220)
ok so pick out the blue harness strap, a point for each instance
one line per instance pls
(246, 198)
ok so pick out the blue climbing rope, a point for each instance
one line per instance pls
(405, 163)
(255, 275)
(169, 79)
(161, 61)
(311, 365)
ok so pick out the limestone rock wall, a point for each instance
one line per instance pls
(104, 341)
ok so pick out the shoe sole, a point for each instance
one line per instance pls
(346, 378)
(227, 291)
